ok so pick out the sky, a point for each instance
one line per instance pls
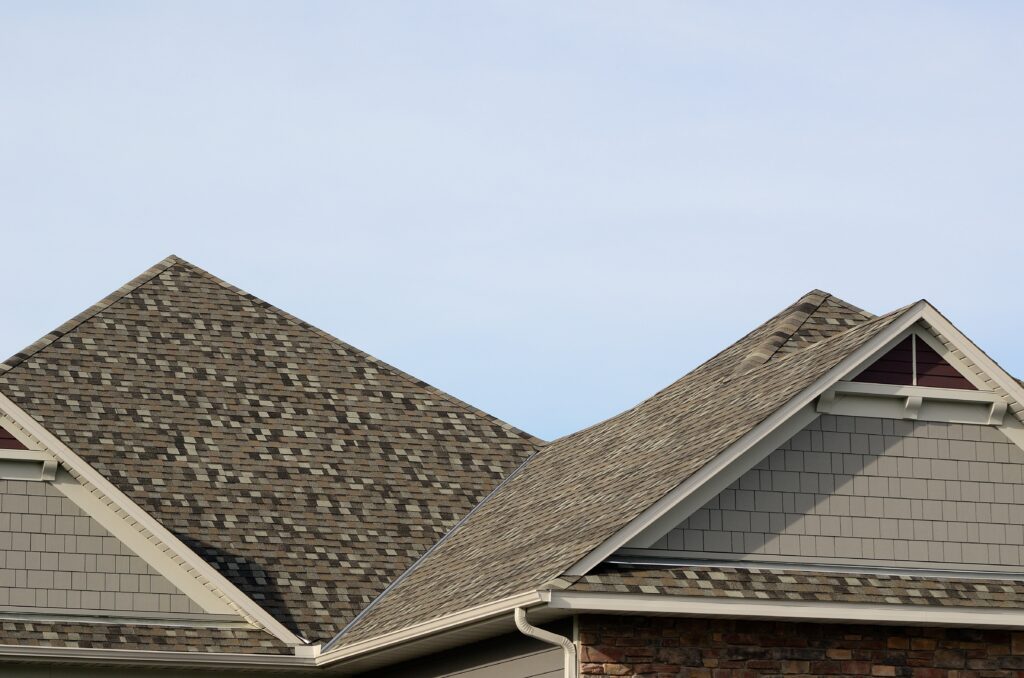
(550, 210)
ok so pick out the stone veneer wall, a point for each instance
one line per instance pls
(672, 647)
(872, 491)
(54, 556)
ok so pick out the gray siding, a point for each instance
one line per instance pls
(875, 491)
(509, 656)
(54, 556)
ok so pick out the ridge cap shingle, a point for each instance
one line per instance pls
(644, 437)
(359, 352)
(75, 321)
(280, 405)
(172, 260)
(785, 328)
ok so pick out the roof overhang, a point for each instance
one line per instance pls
(799, 411)
(189, 571)
(154, 658)
(779, 610)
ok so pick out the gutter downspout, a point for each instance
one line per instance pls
(568, 647)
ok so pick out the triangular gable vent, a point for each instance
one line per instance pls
(913, 362)
(8, 441)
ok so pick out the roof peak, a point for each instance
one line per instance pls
(813, 317)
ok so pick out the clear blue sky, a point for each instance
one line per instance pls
(548, 209)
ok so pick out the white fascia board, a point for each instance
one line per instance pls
(209, 660)
(918, 615)
(990, 367)
(128, 534)
(471, 615)
(190, 560)
(736, 452)
(721, 480)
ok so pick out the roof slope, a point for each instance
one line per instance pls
(309, 473)
(783, 584)
(583, 488)
(140, 637)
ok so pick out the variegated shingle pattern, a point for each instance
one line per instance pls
(832, 317)
(782, 329)
(309, 473)
(798, 585)
(581, 489)
(140, 637)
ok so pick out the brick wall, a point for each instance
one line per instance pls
(856, 489)
(52, 555)
(664, 647)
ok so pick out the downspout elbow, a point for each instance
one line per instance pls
(568, 647)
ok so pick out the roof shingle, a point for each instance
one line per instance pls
(583, 488)
(309, 473)
(801, 585)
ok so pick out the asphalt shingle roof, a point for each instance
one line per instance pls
(309, 473)
(800, 585)
(141, 637)
(579, 490)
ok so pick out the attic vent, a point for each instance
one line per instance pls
(914, 363)
(8, 441)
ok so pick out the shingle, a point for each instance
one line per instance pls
(284, 457)
(579, 490)
(782, 584)
(140, 637)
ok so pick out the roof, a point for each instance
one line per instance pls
(799, 585)
(581, 489)
(307, 472)
(140, 637)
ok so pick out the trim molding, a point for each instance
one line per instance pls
(189, 560)
(787, 610)
(883, 341)
(703, 493)
(468, 616)
(160, 560)
(155, 658)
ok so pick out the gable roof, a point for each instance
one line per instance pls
(581, 489)
(307, 472)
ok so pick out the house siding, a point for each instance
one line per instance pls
(871, 491)
(55, 557)
(664, 647)
(509, 656)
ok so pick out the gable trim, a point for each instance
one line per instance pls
(918, 615)
(721, 480)
(883, 341)
(122, 505)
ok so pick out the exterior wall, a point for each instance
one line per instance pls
(871, 491)
(664, 647)
(54, 556)
(14, 670)
(509, 656)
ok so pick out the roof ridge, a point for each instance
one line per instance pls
(106, 302)
(348, 347)
(851, 307)
(787, 327)
(651, 433)
(824, 342)
(817, 308)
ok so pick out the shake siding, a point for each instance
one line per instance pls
(54, 556)
(871, 491)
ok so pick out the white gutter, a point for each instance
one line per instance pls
(472, 615)
(788, 610)
(568, 647)
(156, 658)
